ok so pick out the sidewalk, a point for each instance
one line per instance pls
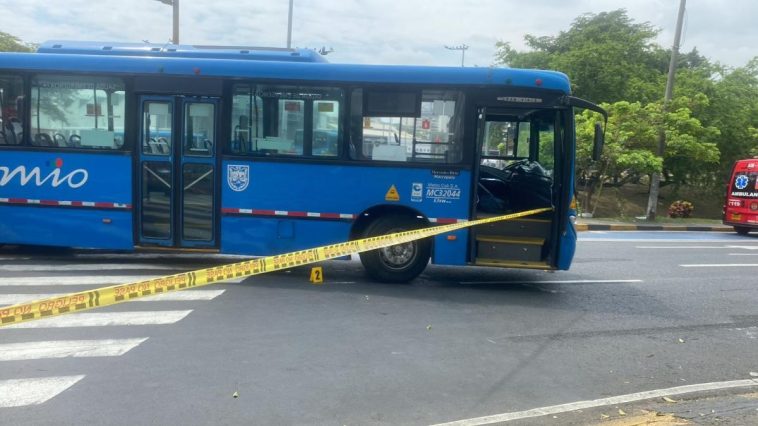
(592, 224)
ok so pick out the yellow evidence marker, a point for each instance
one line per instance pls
(317, 275)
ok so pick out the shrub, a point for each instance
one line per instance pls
(681, 208)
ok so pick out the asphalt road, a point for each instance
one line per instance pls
(639, 311)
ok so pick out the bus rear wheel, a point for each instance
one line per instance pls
(399, 263)
(742, 230)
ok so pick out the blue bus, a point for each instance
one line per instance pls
(261, 151)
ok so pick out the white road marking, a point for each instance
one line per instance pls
(743, 254)
(86, 267)
(101, 319)
(745, 247)
(67, 348)
(14, 258)
(75, 280)
(554, 282)
(83, 280)
(648, 240)
(614, 400)
(21, 392)
(719, 265)
(681, 247)
(181, 296)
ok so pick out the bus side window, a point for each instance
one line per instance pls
(326, 116)
(78, 112)
(11, 110)
(407, 126)
(286, 120)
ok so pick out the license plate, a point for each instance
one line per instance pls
(736, 216)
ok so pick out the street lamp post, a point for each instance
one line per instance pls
(289, 27)
(462, 48)
(175, 5)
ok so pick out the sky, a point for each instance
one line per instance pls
(380, 31)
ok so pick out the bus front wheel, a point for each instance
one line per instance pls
(742, 230)
(399, 263)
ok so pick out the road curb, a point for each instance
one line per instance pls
(644, 227)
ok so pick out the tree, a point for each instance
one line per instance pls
(734, 110)
(10, 43)
(712, 120)
(630, 142)
(607, 57)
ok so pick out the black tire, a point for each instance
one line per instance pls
(742, 230)
(399, 263)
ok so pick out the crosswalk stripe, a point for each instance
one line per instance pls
(102, 319)
(182, 296)
(82, 280)
(74, 280)
(87, 267)
(21, 392)
(67, 348)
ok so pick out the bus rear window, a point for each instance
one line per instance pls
(77, 112)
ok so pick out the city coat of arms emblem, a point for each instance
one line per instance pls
(237, 176)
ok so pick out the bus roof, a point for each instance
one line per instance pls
(180, 50)
(280, 70)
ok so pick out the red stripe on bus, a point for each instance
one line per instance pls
(58, 203)
(263, 212)
(346, 216)
(446, 220)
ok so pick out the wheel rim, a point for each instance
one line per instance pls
(399, 256)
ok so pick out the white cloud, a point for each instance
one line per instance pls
(378, 31)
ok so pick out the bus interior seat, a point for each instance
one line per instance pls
(43, 139)
(12, 131)
(163, 147)
(75, 141)
(60, 140)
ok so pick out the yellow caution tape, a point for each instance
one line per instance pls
(111, 295)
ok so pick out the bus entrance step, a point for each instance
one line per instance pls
(517, 228)
(516, 249)
(511, 264)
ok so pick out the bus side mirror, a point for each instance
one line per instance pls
(598, 141)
